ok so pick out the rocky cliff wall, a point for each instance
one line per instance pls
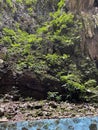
(80, 5)
(26, 15)
(19, 14)
(88, 12)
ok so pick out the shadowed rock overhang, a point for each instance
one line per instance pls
(96, 3)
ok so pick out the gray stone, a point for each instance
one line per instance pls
(93, 127)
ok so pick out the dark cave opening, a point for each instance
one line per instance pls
(96, 3)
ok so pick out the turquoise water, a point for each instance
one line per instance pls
(84, 123)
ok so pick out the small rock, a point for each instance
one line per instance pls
(93, 127)
(1, 61)
(4, 119)
(53, 104)
(40, 113)
(24, 128)
(38, 106)
(8, 97)
(48, 114)
(1, 112)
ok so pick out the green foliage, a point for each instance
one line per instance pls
(61, 31)
(27, 50)
(55, 59)
(54, 96)
(42, 30)
(30, 2)
(52, 58)
(88, 69)
(10, 3)
(49, 53)
(19, 1)
(73, 86)
(27, 2)
(6, 40)
(8, 32)
(90, 83)
(74, 89)
(70, 77)
(56, 29)
(61, 4)
(73, 82)
(61, 25)
(30, 10)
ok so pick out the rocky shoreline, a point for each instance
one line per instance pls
(44, 109)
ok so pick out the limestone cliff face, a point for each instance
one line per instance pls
(88, 11)
(28, 17)
(25, 15)
(80, 5)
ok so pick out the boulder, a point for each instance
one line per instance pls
(1, 112)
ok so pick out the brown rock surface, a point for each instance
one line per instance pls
(17, 111)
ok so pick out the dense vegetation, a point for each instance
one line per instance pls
(52, 53)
